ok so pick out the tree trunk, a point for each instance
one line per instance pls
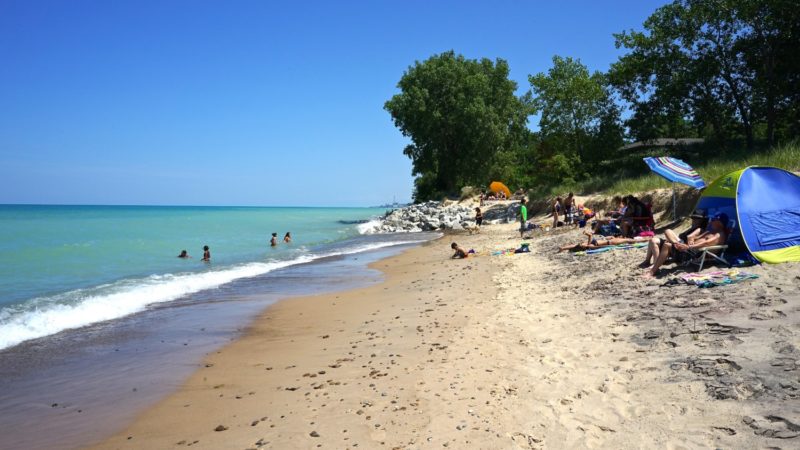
(743, 109)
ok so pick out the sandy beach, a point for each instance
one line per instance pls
(535, 350)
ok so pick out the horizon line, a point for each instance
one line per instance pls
(185, 206)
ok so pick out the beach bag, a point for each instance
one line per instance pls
(523, 248)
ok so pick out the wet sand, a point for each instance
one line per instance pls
(534, 350)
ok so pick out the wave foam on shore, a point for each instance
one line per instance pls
(49, 315)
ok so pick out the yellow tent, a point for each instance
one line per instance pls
(497, 186)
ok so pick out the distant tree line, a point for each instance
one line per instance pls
(727, 71)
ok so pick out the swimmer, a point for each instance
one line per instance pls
(274, 241)
(184, 254)
(206, 254)
(288, 238)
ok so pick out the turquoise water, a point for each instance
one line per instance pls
(64, 267)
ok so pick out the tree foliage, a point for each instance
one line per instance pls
(460, 114)
(715, 64)
(579, 121)
(724, 70)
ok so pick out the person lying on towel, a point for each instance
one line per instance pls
(593, 243)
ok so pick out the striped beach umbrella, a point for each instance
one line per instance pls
(676, 171)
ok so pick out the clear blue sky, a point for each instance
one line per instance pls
(247, 103)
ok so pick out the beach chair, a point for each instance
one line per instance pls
(716, 252)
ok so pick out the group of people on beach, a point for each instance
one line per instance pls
(573, 213)
(273, 242)
(484, 197)
(632, 222)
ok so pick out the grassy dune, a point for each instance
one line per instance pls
(785, 156)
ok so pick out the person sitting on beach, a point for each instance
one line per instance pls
(274, 241)
(634, 210)
(184, 254)
(698, 226)
(287, 238)
(716, 235)
(478, 217)
(459, 252)
(612, 217)
(206, 254)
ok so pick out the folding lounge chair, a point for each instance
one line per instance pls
(699, 258)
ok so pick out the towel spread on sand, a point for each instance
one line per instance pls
(717, 278)
(523, 248)
(608, 248)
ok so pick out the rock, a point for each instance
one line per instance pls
(313, 434)
(432, 216)
(220, 428)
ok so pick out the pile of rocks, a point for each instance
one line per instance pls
(432, 216)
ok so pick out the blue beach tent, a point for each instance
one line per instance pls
(765, 204)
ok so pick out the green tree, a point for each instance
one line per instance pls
(579, 121)
(459, 114)
(712, 63)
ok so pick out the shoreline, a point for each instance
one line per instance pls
(536, 350)
(304, 350)
(70, 389)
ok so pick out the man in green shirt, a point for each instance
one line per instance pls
(523, 217)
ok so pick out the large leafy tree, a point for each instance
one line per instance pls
(459, 114)
(712, 63)
(579, 121)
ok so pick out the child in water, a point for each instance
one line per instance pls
(288, 238)
(206, 254)
(184, 254)
(274, 241)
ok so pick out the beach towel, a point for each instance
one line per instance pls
(523, 248)
(717, 278)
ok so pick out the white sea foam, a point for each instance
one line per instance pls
(49, 315)
(368, 247)
(370, 227)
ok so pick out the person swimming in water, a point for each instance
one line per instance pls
(274, 241)
(288, 237)
(206, 254)
(184, 254)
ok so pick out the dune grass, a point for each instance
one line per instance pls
(785, 156)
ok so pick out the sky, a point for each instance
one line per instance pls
(253, 103)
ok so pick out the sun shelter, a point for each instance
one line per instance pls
(676, 171)
(497, 186)
(763, 204)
